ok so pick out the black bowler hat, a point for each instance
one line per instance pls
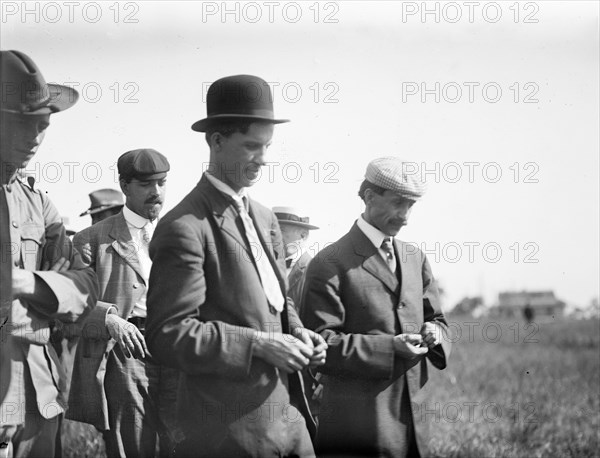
(238, 97)
(143, 164)
(25, 91)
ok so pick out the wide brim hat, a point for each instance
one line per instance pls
(25, 91)
(104, 199)
(238, 97)
(289, 215)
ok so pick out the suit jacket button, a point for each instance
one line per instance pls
(401, 305)
(135, 286)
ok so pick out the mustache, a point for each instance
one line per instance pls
(154, 200)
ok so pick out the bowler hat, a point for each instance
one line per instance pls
(25, 91)
(238, 97)
(289, 215)
(143, 164)
(104, 199)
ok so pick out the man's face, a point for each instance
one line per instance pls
(20, 137)
(240, 156)
(293, 238)
(146, 198)
(388, 212)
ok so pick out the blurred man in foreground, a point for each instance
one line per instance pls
(43, 277)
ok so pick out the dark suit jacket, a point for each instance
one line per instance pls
(357, 304)
(204, 295)
(296, 280)
(109, 249)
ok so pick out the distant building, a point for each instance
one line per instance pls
(469, 305)
(542, 303)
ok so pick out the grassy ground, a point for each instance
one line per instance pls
(509, 391)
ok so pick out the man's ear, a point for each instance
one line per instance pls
(304, 234)
(124, 187)
(216, 140)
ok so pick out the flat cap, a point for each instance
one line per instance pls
(143, 164)
(104, 199)
(401, 177)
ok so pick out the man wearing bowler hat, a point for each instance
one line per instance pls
(43, 278)
(117, 386)
(374, 300)
(294, 231)
(104, 203)
(216, 305)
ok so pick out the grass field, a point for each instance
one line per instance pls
(509, 391)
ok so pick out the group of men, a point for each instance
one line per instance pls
(202, 333)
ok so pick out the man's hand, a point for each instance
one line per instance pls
(127, 335)
(407, 345)
(283, 351)
(314, 341)
(23, 283)
(431, 334)
(62, 265)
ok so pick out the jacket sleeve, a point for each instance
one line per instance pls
(76, 289)
(355, 355)
(432, 312)
(177, 290)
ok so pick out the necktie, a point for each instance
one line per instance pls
(265, 270)
(388, 248)
(6, 261)
(146, 234)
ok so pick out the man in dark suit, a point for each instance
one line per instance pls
(374, 300)
(116, 385)
(216, 305)
(294, 231)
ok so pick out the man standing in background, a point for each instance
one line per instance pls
(117, 386)
(104, 203)
(43, 276)
(294, 230)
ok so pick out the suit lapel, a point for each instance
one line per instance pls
(372, 260)
(124, 245)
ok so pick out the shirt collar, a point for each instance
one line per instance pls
(373, 234)
(134, 219)
(225, 188)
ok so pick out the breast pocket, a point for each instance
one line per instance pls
(32, 240)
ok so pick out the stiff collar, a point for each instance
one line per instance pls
(225, 188)
(134, 219)
(373, 234)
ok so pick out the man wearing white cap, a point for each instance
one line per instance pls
(374, 300)
(294, 231)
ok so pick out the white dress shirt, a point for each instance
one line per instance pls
(376, 237)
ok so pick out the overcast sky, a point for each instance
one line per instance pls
(497, 103)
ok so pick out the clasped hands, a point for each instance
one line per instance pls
(290, 352)
(412, 345)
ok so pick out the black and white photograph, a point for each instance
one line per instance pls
(333, 229)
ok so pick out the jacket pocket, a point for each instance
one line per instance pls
(32, 240)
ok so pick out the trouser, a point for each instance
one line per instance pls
(34, 438)
(141, 397)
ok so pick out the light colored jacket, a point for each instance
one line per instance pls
(38, 237)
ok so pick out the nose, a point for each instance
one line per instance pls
(404, 210)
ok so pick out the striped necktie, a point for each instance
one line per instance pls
(265, 270)
(388, 248)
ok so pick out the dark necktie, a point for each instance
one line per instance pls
(388, 248)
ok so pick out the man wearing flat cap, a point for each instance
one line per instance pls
(373, 299)
(216, 305)
(43, 278)
(104, 203)
(117, 386)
